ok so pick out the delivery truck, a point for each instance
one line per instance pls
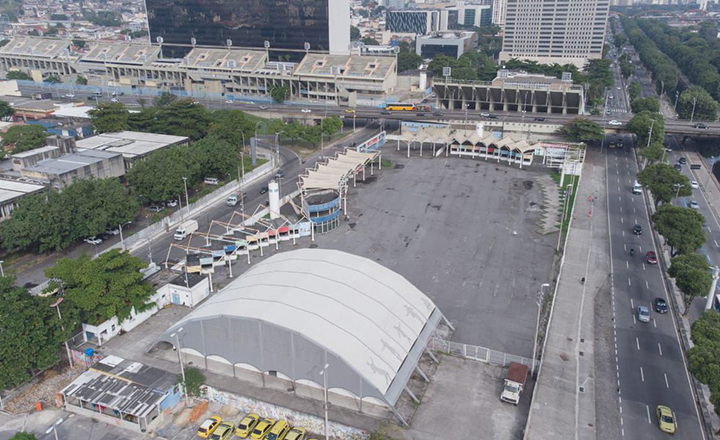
(186, 228)
(514, 383)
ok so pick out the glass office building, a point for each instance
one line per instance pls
(286, 24)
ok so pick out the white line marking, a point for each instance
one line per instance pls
(667, 385)
(654, 323)
(646, 284)
(622, 220)
(632, 303)
(660, 349)
(629, 283)
(627, 264)
(634, 321)
(642, 374)
(648, 413)
(716, 244)
(709, 230)
(637, 342)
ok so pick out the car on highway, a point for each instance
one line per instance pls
(68, 96)
(209, 426)
(229, 101)
(637, 230)
(492, 116)
(385, 112)
(223, 432)
(349, 110)
(650, 257)
(246, 425)
(155, 208)
(261, 429)
(112, 231)
(297, 433)
(694, 204)
(643, 314)
(682, 161)
(615, 123)
(660, 305)
(666, 419)
(485, 114)
(93, 240)
(701, 126)
(263, 190)
(435, 113)
(540, 119)
(306, 110)
(264, 107)
(677, 167)
(694, 184)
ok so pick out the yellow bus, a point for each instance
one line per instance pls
(401, 107)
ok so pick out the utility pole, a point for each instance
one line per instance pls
(693, 110)
(650, 132)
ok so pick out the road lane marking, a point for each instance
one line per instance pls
(623, 234)
(622, 220)
(620, 198)
(660, 348)
(648, 413)
(709, 230)
(637, 342)
(646, 283)
(667, 385)
(627, 264)
(629, 282)
(716, 244)
(633, 210)
(621, 206)
(644, 267)
(632, 303)
(654, 323)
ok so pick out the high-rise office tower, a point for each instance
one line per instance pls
(498, 12)
(555, 31)
(285, 24)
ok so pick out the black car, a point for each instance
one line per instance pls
(385, 112)
(661, 305)
(637, 229)
(493, 116)
(682, 161)
(437, 114)
(701, 125)
(540, 119)
(420, 114)
(677, 167)
(263, 190)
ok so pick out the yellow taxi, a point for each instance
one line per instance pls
(349, 110)
(262, 428)
(296, 433)
(246, 425)
(223, 432)
(209, 426)
(666, 419)
(278, 431)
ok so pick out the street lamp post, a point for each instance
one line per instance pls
(325, 394)
(650, 132)
(56, 305)
(2, 272)
(677, 95)
(706, 184)
(541, 297)
(187, 199)
(677, 192)
(176, 335)
(692, 115)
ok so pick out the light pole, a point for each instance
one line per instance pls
(187, 199)
(541, 297)
(677, 193)
(277, 146)
(56, 304)
(692, 115)
(325, 394)
(176, 335)
(256, 127)
(706, 184)
(677, 95)
(2, 272)
(650, 132)
(122, 240)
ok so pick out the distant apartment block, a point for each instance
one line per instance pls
(416, 22)
(450, 43)
(555, 31)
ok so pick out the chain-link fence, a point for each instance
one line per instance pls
(476, 353)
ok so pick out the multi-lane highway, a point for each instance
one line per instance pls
(650, 367)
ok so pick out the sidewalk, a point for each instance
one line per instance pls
(559, 408)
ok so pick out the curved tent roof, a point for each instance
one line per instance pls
(297, 310)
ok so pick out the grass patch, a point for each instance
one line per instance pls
(386, 163)
(570, 202)
(555, 174)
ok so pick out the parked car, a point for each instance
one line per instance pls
(112, 231)
(677, 167)
(694, 184)
(306, 110)
(93, 240)
(211, 181)
(155, 208)
(661, 305)
(296, 433)
(223, 432)
(261, 429)
(229, 101)
(172, 203)
(615, 123)
(637, 229)
(694, 204)
(650, 257)
(114, 100)
(246, 425)
(666, 419)
(643, 314)
(209, 426)
(278, 431)
(682, 161)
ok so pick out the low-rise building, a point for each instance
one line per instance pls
(123, 393)
(63, 170)
(450, 43)
(133, 145)
(11, 192)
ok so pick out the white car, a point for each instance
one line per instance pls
(484, 114)
(694, 184)
(114, 100)
(68, 96)
(229, 101)
(93, 240)
(172, 203)
(306, 110)
(694, 204)
(614, 122)
(112, 231)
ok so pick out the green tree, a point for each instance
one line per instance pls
(619, 41)
(645, 104)
(641, 123)
(311, 134)
(184, 118)
(23, 436)
(52, 79)
(692, 275)
(194, 380)
(681, 227)
(16, 74)
(408, 61)
(6, 111)
(293, 131)
(370, 42)
(653, 153)
(24, 137)
(231, 126)
(664, 182)
(58, 17)
(634, 90)
(110, 285)
(31, 334)
(80, 44)
(279, 93)
(109, 117)
(704, 356)
(582, 130)
(332, 125)
(164, 99)
(81, 80)
(354, 33)
(706, 108)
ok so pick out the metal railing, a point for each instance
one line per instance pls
(476, 353)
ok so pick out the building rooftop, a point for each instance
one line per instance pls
(37, 47)
(70, 162)
(122, 53)
(130, 144)
(345, 65)
(12, 189)
(447, 35)
(128, 387)
(31, 153)
(230, 59)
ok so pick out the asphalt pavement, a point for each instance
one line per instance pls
(650, 366)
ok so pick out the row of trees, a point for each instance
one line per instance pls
(704, 356)
(93, 291)
(52, 220)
